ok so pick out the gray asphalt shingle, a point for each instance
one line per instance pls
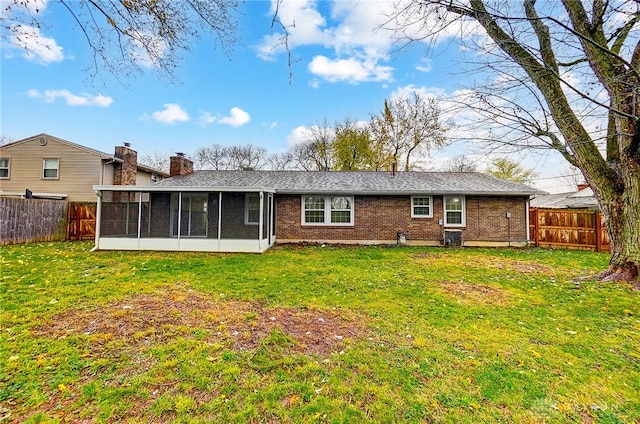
(312, 182)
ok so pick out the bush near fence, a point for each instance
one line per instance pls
(32, 220)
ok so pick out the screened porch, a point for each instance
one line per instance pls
(141, 218)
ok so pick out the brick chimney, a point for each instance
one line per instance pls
(180, 165)
(125, 173)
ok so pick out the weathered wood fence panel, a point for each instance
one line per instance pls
(32, 220)
(570, 228)
(81, 221)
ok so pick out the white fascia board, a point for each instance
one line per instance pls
(165, 189)
(405, 192)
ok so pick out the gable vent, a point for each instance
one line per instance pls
(42, 141)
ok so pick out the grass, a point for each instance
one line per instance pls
(315, 334)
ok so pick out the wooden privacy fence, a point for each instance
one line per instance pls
(570, 228)
(32, 220)
(81, 221)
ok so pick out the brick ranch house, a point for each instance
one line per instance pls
(248, 211)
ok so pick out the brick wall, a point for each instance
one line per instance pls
(381, 218)
(487, 221)
(125, 173)
(180, 165)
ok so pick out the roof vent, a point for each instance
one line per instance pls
(42, 141)
(180, 154)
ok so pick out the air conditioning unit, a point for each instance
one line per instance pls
(453, 238)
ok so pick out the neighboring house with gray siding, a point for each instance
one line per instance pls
(581, 199)
(50, 167)
(251, 210)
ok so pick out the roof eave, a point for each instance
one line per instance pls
(161, 188)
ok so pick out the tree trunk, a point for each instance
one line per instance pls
(622, 216)
(616, 183)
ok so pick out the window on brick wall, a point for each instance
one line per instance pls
(421, 207)
(327, 210)
(454, 211)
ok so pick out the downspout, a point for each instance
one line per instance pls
(219, 218)
(179, 216)
(528, 224)
(98, 215)
(260, 223)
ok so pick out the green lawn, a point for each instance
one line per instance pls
(312, 334)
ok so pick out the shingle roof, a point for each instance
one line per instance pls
(572, 200)
(365, 182)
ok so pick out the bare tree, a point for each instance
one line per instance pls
(5, 140)
(408, 127)
(211, 157)
(130, 35)
(280, 161)
(156, 160)
(568, 79)
(246, 158)
(460, 164)
(315, 151)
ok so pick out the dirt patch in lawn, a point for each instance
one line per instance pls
(516, 265)
(180, 311)
(474, 293)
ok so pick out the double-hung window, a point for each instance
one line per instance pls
(5, 168)
(421, 207)
(454, 211)
(50, 167)
(327, 210)
(252, 209)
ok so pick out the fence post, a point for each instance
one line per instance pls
(535, 227)
(598, 217)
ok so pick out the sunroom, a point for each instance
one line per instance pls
(202, 219)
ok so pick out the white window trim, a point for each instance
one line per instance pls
(8, 168)
(57, 177)
(415, 215)
(327, 212)
(246, 208)
(464, 211)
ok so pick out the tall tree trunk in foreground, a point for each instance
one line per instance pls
(548, 47)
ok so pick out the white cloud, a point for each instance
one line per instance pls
(351, 70)
(358, 48)
(358, 32)
(207, 118)
(171, 114)
(297, 135)
(425, 65)
(50, 96)
(426, 92)
(237, 118)
(270, 125)
(36, 47)
(147, 49)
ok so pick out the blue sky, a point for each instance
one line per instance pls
(342, 69)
